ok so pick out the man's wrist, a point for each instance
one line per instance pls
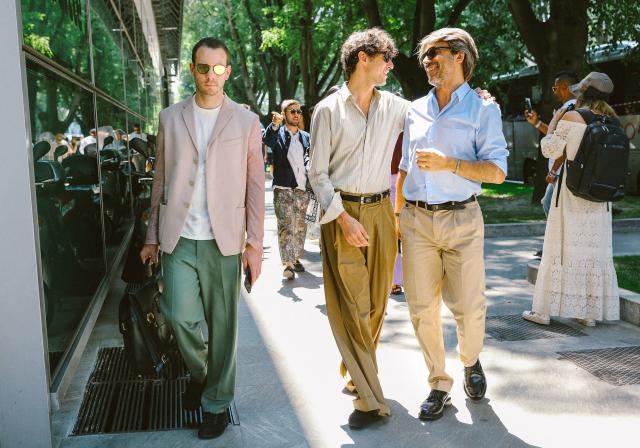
(455, 166)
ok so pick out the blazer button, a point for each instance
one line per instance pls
(195, 161)
(191, 183)
(186, 204)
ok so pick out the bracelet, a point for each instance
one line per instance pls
(538, 124)
(457, 166)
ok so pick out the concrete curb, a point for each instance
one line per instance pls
(537, 228)
(629, 300)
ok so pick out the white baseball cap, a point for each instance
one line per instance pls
(595, 80)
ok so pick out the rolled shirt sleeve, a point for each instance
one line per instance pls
(490, 142)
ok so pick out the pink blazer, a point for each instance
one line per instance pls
(235, 177)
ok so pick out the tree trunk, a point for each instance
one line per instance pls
(556, 45)
(244, 71)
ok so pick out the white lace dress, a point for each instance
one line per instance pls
(576, 278)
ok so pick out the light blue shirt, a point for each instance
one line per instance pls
(468, 128)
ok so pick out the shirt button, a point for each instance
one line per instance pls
(195, 160)
(186, 204)
(192, 183)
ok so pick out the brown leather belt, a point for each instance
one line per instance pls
(365, 199)
(451, 205)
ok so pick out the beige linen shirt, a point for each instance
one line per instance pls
(351, 152)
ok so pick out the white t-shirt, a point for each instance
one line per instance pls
(295, 156)
(198, 224)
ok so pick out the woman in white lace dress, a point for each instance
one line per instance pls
(576, 278)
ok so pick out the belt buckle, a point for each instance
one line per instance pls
(362, 199)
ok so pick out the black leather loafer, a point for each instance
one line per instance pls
(361, 419)
(298, 267)
(213, 425)
(475, 384)
(192, 395)
(433, 407)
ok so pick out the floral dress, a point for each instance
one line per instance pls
(576, 278)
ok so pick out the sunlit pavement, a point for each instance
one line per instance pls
(289, 392)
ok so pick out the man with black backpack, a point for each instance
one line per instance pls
(577, 278)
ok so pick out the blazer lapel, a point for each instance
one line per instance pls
(188, 115)
(224, 117)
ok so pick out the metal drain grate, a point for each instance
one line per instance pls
(514, 328)
(117, 400)
(619, 366)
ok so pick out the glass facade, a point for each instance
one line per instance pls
(87, 88)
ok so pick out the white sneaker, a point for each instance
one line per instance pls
(538, 318)
(587, 322)
(288, 273)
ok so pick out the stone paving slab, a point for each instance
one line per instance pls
(289, 389)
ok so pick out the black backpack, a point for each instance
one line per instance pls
(148, 340)
(598, 172)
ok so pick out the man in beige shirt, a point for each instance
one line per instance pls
(355, 130)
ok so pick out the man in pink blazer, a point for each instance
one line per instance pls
(207, 220)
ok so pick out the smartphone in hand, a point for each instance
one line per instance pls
(527, 105)
(247, 279)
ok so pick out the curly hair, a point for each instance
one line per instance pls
(371, 41)
(459, 41)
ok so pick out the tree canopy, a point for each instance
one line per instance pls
(290, 48)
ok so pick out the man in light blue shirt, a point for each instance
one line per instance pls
(453, 142)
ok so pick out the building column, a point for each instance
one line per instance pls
(24, 379)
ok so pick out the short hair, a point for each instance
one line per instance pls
(459, 41)
(567, 76)
(371, 41)
(209, 42)
(287, 103)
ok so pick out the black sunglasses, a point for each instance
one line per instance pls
(386, 55)
(295, 111)
(433, 52)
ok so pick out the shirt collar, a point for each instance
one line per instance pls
(459, 93)
(462, 91)
(345, 93)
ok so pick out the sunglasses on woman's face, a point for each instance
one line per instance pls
(204, 69)
(295, 111)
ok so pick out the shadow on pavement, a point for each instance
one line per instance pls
(403, 429)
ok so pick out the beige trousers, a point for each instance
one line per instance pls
(443, 259)
(357, 283)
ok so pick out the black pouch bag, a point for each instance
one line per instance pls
(148, 340)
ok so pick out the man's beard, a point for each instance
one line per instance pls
(291, 123)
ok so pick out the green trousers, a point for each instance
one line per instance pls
(202, 284)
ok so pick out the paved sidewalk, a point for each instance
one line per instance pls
(289, 389)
